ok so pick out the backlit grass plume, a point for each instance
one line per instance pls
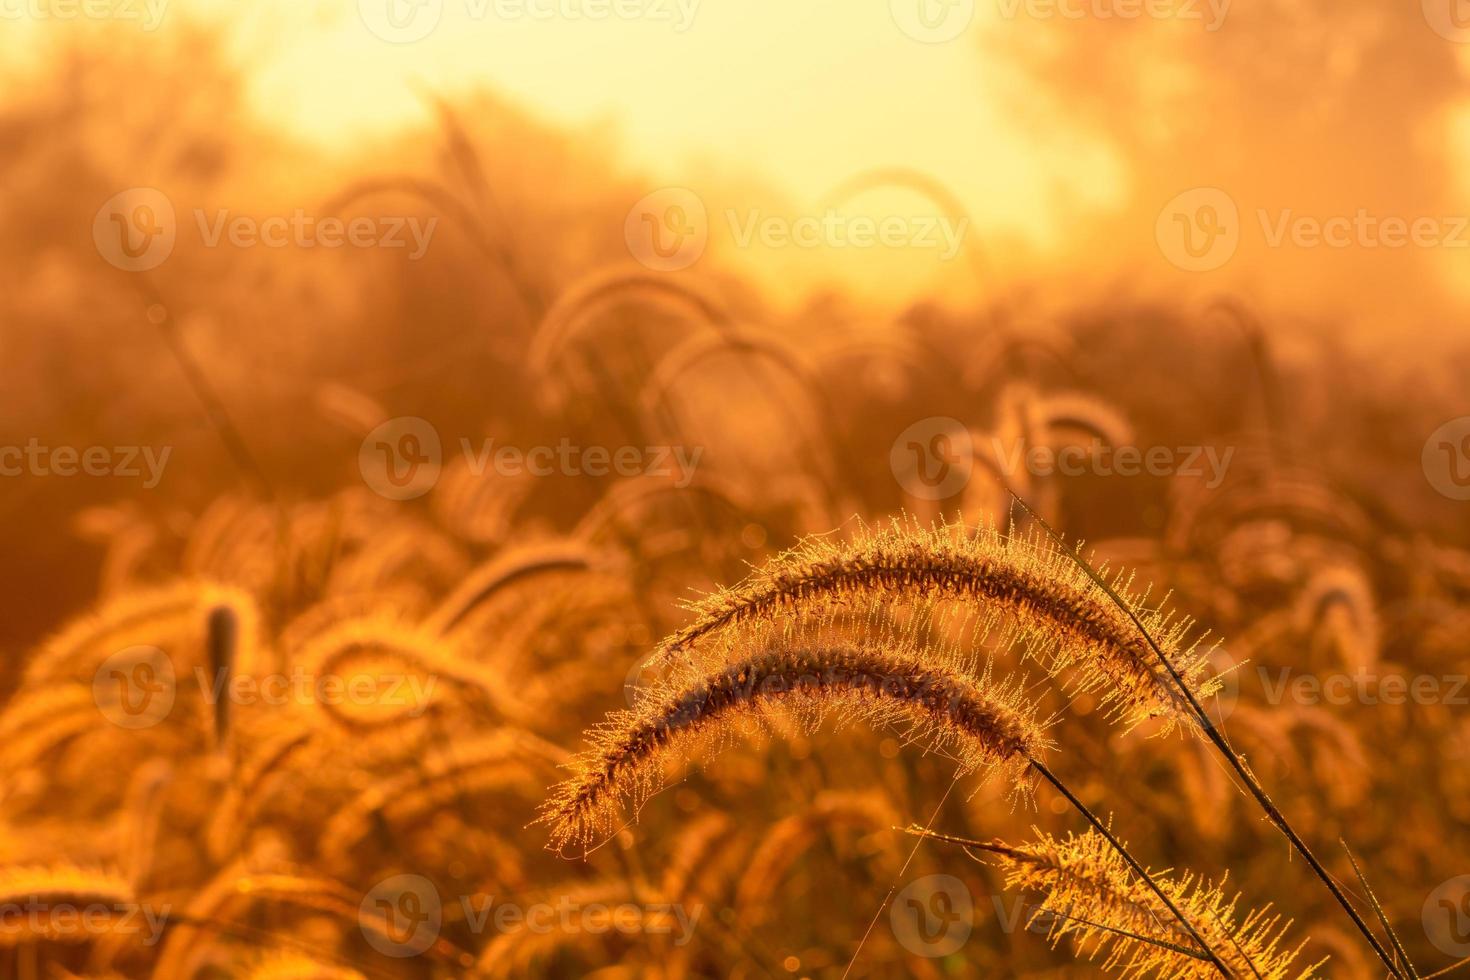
(499, 758)
(1036, 593)
(984, 724)
(792, 836)
(38, 901)
(1089, 895)
(287, 964)
(170, 616)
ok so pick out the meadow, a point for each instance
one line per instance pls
(506, 603)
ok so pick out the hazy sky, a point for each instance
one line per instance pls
(795, 98)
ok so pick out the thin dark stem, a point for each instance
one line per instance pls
(1138, 869)
(268, 940)
(894, 887)
(1218, 741)
(1449, 969)
(1161, 944)
(214, 407)
(914, 830)
(996, 847)
(1393, 937)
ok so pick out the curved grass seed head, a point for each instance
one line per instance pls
(986, 726)
(1033, 593)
